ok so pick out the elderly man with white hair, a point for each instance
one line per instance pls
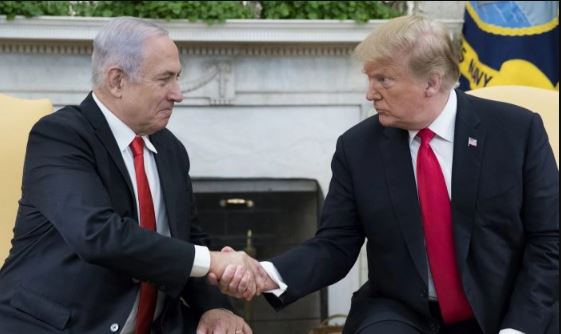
(105, 239)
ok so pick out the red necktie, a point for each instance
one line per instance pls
(147, 303)
(437, 221)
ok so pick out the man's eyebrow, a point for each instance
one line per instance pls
(170, 73)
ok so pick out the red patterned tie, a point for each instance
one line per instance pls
(147, 303)
(437, 222)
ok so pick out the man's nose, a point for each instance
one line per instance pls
(373, 95)
(175, 94)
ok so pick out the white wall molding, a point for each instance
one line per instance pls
(283, 50)
(237, 31)
(55, 28)
(42, 47)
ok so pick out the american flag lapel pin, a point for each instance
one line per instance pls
(472, 142)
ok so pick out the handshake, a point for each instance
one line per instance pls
(238, 275)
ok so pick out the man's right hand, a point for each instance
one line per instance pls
(238, 275)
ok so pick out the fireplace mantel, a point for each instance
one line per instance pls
(56, 28)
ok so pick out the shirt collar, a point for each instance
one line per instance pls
(444, 125)
(122, 133)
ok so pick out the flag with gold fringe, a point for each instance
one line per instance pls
(510, 43)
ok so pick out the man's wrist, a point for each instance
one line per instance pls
(510, 331)
(201, 263)
(276, 277)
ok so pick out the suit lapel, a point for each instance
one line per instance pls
(469, 143)
(403, 192)
(94, 115)
(168, 182)
(164, 159)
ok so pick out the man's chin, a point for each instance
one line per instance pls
(155, 127)
(386, 120)
(165, 113)
(163, 124)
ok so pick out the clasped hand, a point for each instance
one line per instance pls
(238, 275)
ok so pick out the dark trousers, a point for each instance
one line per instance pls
(399, 327)
(376, 315)
(396, 327)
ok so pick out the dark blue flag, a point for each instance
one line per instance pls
(510, 43)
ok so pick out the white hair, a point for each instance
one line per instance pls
(119, 43)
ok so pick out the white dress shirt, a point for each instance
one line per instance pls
(443, 146)
(124, 137)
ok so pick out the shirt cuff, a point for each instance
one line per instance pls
(201, 264)
(276, 277)
(510, 331)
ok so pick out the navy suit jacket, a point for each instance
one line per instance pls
(505, 195)
(78, 251)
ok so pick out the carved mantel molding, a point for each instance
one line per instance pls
(83, 29)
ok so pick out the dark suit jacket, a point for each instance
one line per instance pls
(78, 251)
(505, 211)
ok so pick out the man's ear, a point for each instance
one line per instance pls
(115, 81)
(434, 84)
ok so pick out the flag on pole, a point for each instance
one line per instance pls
(510, 43)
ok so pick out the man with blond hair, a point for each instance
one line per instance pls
(456, 196)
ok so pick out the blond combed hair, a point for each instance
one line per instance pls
(426, 45)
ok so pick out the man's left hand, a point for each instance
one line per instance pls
(222, 321)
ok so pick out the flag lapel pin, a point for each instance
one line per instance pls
(472, 142)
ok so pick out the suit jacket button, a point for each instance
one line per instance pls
(114, 327)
